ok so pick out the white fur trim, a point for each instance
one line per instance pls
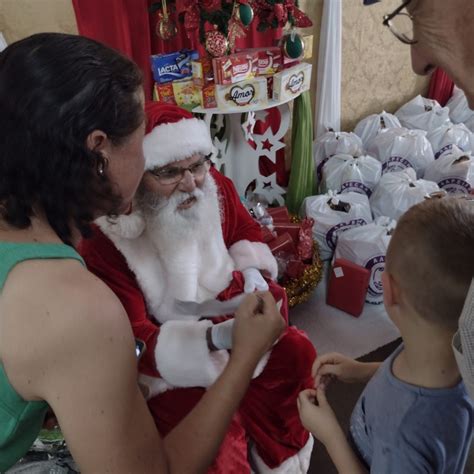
(183, 358)
(297, 464)
(128, 226)
(261, 365)
(176, 141)
(152, 386)
(248, 254)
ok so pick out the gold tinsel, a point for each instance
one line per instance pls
(300, 289)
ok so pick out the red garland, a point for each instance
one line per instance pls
(280, 12)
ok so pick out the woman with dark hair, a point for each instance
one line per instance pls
(72, 124)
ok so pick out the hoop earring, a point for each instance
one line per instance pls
(102, 165)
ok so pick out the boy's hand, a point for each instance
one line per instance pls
(317, 416)
(345, 369)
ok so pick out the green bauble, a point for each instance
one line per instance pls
(293, 46)
(245, 14)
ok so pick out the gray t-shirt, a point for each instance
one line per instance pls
(400, 428)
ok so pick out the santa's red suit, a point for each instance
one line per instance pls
(177, 364)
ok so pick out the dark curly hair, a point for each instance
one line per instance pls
(55, 89)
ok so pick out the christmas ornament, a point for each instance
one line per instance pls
(293, 45)
(216, 43)
(244, 14)
(166, 27)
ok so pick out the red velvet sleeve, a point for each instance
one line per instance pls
(106, 262)
(237, 223)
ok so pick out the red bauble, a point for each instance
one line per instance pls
(216, 43)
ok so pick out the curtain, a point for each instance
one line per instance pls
(120, 24)
(302, 176)
(328, 92)
(441, 87)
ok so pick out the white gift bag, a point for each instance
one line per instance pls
(367, 246)
(400, 148)
(333, 214)
(334, 143)
(443, 138)
(398, 191)
(424, 114)
(346, 173)
(370, 126)
(459, 110)
(453, 172)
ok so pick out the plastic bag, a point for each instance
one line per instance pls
(459, 111)
(370, 126)
(335, 143)
(443, 138)
(398, 191)
(334, 213)
(367, 246)
(423, 114)
(453, 172)
(400, 148)
(346, 173)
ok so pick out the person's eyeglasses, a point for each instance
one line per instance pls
(174, 174)
(401, 24)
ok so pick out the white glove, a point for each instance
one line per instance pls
(221, 334)
(254, 281)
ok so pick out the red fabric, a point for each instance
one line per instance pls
(121, 24)
(160, 113)
(441, 87)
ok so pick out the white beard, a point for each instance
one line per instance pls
(187, 245)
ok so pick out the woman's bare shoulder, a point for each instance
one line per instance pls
(54, 310)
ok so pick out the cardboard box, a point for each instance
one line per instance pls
(207, 95)
(172, 66)
(164, 93)
(203, 72)
(249, 92)
(270, 59)
(235, 67)
(186, 94)
(347, 287)
(289, 83)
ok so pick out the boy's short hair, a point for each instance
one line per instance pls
(431, 256)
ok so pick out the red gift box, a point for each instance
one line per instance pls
(295, 269)
(267, 235)
(347, 287)
(279, 213)
(289, 227)
(283, 243)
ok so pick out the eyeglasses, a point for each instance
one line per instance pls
(401, 24)
(174, 174)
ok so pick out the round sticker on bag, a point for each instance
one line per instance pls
(396, 163)
(331, 235)
(376, 265)
(455, 186)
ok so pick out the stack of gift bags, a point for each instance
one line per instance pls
(369, 178)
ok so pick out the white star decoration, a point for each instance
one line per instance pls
(268, 144)
(249, 125)
(268, 188)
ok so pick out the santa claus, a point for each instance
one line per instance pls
(184, 254)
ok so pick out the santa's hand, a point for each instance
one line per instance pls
(254, 281)
(221, 334)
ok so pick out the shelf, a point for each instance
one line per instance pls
(240, 110)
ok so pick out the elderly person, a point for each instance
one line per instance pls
(190, 239)
(439, 35)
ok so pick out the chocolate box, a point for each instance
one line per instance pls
(235, 67)
(172, 66)
(203, 72)
(291, 82)
(249, 92)
(207, 94)
(269, 59)
(186, 94)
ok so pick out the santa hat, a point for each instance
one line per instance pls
(173, 134)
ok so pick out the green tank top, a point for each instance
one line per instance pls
(20, 420)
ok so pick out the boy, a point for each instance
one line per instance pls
(414, 415)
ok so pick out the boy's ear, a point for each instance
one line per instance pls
(390, 290)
